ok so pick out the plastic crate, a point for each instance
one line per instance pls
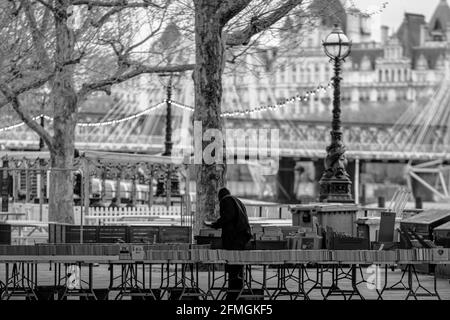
(73, 234)
(143, 234)
(214, 242)
(174, 234)
(5, 234)
(111, 234)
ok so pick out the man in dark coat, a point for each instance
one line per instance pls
(236, 233)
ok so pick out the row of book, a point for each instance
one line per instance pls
(261, 232)
(201, 253)
(364, 255)
(256, 256)
(89, 249)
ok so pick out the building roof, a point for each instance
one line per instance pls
(431, 54)
(358, 54)
(441, 17)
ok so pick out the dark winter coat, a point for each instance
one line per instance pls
(233, 221)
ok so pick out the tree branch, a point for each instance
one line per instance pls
(105, 83)
(28, 86)
(230, 8)
(11, 97)
(120, 3)
(257, 25)
(49, 6)
(105, 17)
(38, 39)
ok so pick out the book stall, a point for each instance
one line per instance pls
(320, 255)
(179, 269)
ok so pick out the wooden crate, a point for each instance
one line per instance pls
(214, 242)
(72, 234)
(56, 233)
(5, 234)
(111, 234)
(143, 234)
(174, 234)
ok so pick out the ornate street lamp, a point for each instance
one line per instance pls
(167, 80)
(335, 184)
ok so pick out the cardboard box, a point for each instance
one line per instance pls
(311, 243)
(138, 253)
(124, 252)
(440, 254)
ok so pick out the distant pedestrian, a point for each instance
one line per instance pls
(114, 203)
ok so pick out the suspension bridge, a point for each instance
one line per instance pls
(419, 137)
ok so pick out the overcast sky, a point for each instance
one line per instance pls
(392, 15)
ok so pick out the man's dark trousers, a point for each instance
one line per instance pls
(235, 276)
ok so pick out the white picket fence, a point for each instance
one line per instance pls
(100, 215)
(115, 215)
(158, 212)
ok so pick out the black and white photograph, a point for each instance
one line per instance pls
(224, 158)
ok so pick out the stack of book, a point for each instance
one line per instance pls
(271, 233)
(290, 231)
(423, 254)
(257, 231)
(204, 255)
(210, 232)
(313, 255)
(168, 246)
(163, 255)
(406, 255)
(18, 250)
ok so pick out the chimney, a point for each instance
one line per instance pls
(423, 34)
(384, 34)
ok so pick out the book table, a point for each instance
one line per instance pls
(130, 283)
(338, 273)
(411, 274)
(200, 274)
(178, 279)
(20, 279)
(285, 273)
(185, 274)
(71, 279)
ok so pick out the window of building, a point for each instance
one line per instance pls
(386, 75)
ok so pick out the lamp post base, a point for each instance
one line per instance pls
(174, 186)
(335, 190)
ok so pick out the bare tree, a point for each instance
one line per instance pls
(213, 35)
(74, 48)
(41, 46)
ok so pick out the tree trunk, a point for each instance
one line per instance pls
(65, 116)
(210, 61)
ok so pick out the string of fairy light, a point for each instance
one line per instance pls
(269, 107)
